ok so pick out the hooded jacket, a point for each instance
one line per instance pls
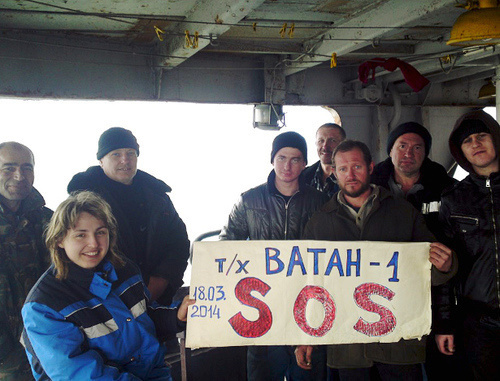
(167, 245)
(470, 214)
(488, 120)
(262, 213)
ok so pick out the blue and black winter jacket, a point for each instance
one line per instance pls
(95, 324)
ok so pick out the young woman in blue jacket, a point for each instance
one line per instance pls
(89, 316)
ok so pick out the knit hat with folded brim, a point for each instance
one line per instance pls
(289, 139)
(116, 138)
(410, 127)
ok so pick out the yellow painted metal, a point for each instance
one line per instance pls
(488, 91)
(479, 26)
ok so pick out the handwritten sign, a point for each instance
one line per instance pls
(308, 292)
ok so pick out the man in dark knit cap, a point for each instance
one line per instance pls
(151, 233)
(409, 173)
(278, 210)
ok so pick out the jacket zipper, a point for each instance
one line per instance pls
(475, 219)
(286, 214)
(488, 185)
(286, 218)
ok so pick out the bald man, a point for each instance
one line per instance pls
(23, 257)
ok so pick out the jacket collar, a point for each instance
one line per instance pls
(431, 173)
(97, 281)
(34, 201)
(334, 205)
(271, 185)
(481, 180)
(94, 176)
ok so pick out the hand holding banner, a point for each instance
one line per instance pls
(308, 292)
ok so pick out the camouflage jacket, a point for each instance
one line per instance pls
(23, 259)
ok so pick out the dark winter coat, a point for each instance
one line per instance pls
(96, 324)
(390, 219)
(471, 218)
(470, 213)
(433, 178)
(263, 214)
(23, 259)
(167, 245)
(309, 172)
(308, 176)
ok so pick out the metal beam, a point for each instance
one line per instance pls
(484, 56)
(389, 49)
(461, 74)
(250, 47)
(284, 15)
(354, 34)
(226, 12)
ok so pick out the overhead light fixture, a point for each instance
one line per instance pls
(480, 25)
(268, 116)
(488, 91)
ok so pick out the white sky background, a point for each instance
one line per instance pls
(208, 154)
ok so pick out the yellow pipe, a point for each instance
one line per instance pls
(488, 4)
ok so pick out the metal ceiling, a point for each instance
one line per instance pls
(290, 35)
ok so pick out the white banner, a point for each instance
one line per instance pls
(308, 292)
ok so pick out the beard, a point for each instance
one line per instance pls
(364, 187)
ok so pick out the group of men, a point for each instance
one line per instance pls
(397, 200)
(342, 197)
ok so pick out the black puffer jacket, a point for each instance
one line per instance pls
(470, 213)
(167, 245)
(434, 180)
(263, 214)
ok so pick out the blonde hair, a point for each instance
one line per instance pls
(66, 216)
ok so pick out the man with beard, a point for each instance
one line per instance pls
(320, 174)
(364, 212)
(23, 256)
